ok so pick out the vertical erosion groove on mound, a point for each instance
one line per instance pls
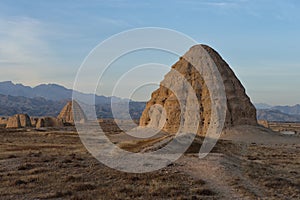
(240, 110)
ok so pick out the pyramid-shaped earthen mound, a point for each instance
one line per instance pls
(3, 122)
(34, 121)
(48, 122)
(72, 112)
(240, 110)
(18, 121)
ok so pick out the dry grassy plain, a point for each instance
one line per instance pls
(53, 164)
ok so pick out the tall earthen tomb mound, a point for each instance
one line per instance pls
(71, 109)
(240, 110)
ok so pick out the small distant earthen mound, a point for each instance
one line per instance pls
(3, 122)
(25, 120)
(264, 123)
(48, 122)
(72, 112)
(34, 121)
(240, 110)
(18, 121)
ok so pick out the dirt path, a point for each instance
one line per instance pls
(221, 174)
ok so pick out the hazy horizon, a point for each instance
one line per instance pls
(138, 100)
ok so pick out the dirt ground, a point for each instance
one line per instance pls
(53, 164)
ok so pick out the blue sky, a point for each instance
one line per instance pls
(46, 41)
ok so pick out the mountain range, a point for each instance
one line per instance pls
(38, 106)
(52, 92)
(278, 113)
(49, 99)
(276, 116)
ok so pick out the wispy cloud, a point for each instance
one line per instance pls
(281, 10)
(111, 21)
(122, 3)
(28, 48)
(216, 3)
(222, 4)
(215, 6)
(24, 52)
(21, 41)
(276, 9)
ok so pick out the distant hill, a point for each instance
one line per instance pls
(49, 91)
(135, 109)
(52, 92)
(38, 106)
(291, 110)
(49, 99)
(278, 113)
